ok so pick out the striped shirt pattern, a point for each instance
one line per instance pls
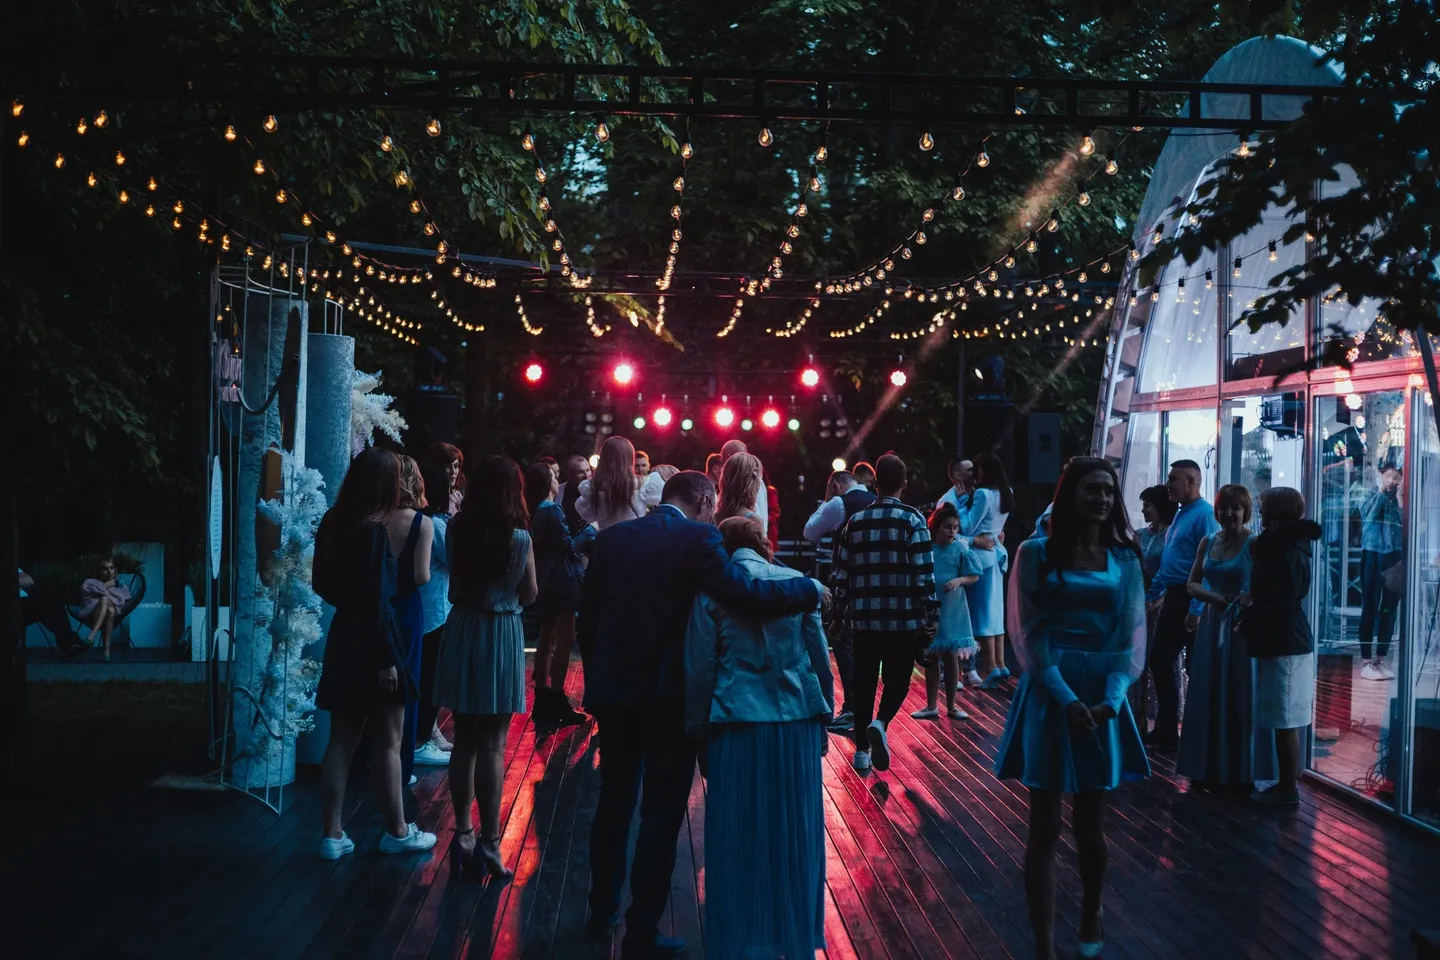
(885, 571)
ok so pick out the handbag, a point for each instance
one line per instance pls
(1394, 578)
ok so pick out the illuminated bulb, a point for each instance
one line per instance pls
(401, 178)
(59, 160)
(679, 184)
(102, 118)
(1083, 199)
(387, 143)
(432, 127)
(151, 185)
(927, 142)
(814, 183)
(982, 159)
(259, 167)
(119, 156)
(271, 124)
(280, 195)
(1209, 279)
(17, 107)
(1274, 254)
(898, 378)
(686, 150)
(958, 193)
(766, 137)
(429, 229)
(1236, 272)
(124, 197)
(602, 132)
(919, 238)
(822, 153)
(1087, 145)
(81, 126)
(329, 236)
(1157, 236)
(1031, 246)
(801, 210)
(527, 141)
(1053, 225)
(175, 223)
(90, 180)
(544, 202)
(1111, 167)
(306, 219)
(1244, 150)
(1010, 260)
(793, 424)
(675, 212)
(149, 209)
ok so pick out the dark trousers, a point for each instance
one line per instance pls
(429, 710)
(1170, 638)
(649, 746)
(842, 641)
(1378, 606)
(891, 655)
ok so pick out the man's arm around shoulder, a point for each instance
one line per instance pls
(716, 575)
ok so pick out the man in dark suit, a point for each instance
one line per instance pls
(643, 578)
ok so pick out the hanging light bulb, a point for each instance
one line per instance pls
(281, 196)
(151, 185)
(23, 139)
(59, 161)
(544, 201)
(17, 107)
(1087, 144)
(679, 184)
(149, 209)
(259, 167)
(329, 236)
(602, 132)
(822, 153)
(1157, 236)
(527, 140)
(271, 124)
(1111, 167)
(119, 156)
(175, 223)
(81, 126)
(686, 150)
(124, 197)
(982, 159)
(387, 143)
(1244, 150)
(1031, 246)
(1053, 224)
(101, 118)
(432, 127)
(766, 137)
(1274, 252)
(957, 192)
(540, 175)
(927, 142)
(1083, 199)
(230, 133)
(306, 219)
(1236, 272)
(179, 206)
(814, 181)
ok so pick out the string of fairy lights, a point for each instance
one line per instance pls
(794, 327)
(546, 210)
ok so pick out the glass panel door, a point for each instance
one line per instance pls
(1423, 583)
(1360, 449)
(1262, 445)
(1190, 435)
(1142, 460)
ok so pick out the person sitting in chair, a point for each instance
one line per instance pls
(103, 600)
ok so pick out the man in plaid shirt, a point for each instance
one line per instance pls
(885, 578)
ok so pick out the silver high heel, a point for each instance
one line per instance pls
(1091, 949)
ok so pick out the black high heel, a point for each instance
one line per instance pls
(490, 853)
(462, 861)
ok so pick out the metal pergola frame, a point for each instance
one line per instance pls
(284, 83)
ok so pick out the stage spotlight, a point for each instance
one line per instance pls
(770, 418)
(638, 423)
(837, 464)
(747, 424)
(898, 378)
(534, 373)
(793, 424)
(594, 460)
(724, 417)
(687, 424)
(661, 417)
(810, 377)
(624, 374)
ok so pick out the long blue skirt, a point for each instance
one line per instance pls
(765, 842)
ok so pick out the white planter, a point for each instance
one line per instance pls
(149, 625)
(200, 640)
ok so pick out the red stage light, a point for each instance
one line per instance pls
(810, 377)
(770, 418)
(898, 378)
(624, 373)
(534, 372)
(724, 417)
(661, 417)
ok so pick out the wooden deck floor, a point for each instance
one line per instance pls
(923, 862)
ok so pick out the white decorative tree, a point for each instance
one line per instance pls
(370, 411)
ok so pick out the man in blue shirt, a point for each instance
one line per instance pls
(1381, 533)
(1169, 596)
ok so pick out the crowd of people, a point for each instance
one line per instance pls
(697, 646)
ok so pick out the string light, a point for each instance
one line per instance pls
(735, 312)
(1111, 167)
(602, 132)
(432, 127)
(101, 118)
(1274, 253)
(23, 139)
(927, 142)
(794, 327)
(530, 328)
(259, 168)
(387, 143)
(271, 124)
(81, 126)
(766, 137)
(17, 107)
(596, 330)
(1087, 144)
(59, 161)
(119, 158)
(230, 133)
(982, 159)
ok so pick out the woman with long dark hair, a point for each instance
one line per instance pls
(1077, 619)
(449, 459)
(559, 569)
(366, 679)
(480, 674)
(984, 512)
(615, 494)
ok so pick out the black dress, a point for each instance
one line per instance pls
(360, 581)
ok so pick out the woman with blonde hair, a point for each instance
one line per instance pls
(415, 534)
(614, 494)
(742, 484)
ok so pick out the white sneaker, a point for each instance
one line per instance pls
(431, 755)
(973, 678)
(879, 746)
(333, 848)
(414, 841)
(1373, 670)
(413, 780)
(1385, 672)
(861, 763)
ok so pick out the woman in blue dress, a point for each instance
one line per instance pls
(559, 570)
(985, 511)
(955, 567)
(1077, 619)
(1220, 744)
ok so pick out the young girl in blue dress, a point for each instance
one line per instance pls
(1077, 619)
(955, 567)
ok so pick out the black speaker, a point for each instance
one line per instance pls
(1041, 449)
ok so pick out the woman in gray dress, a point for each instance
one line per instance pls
(480, 673)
